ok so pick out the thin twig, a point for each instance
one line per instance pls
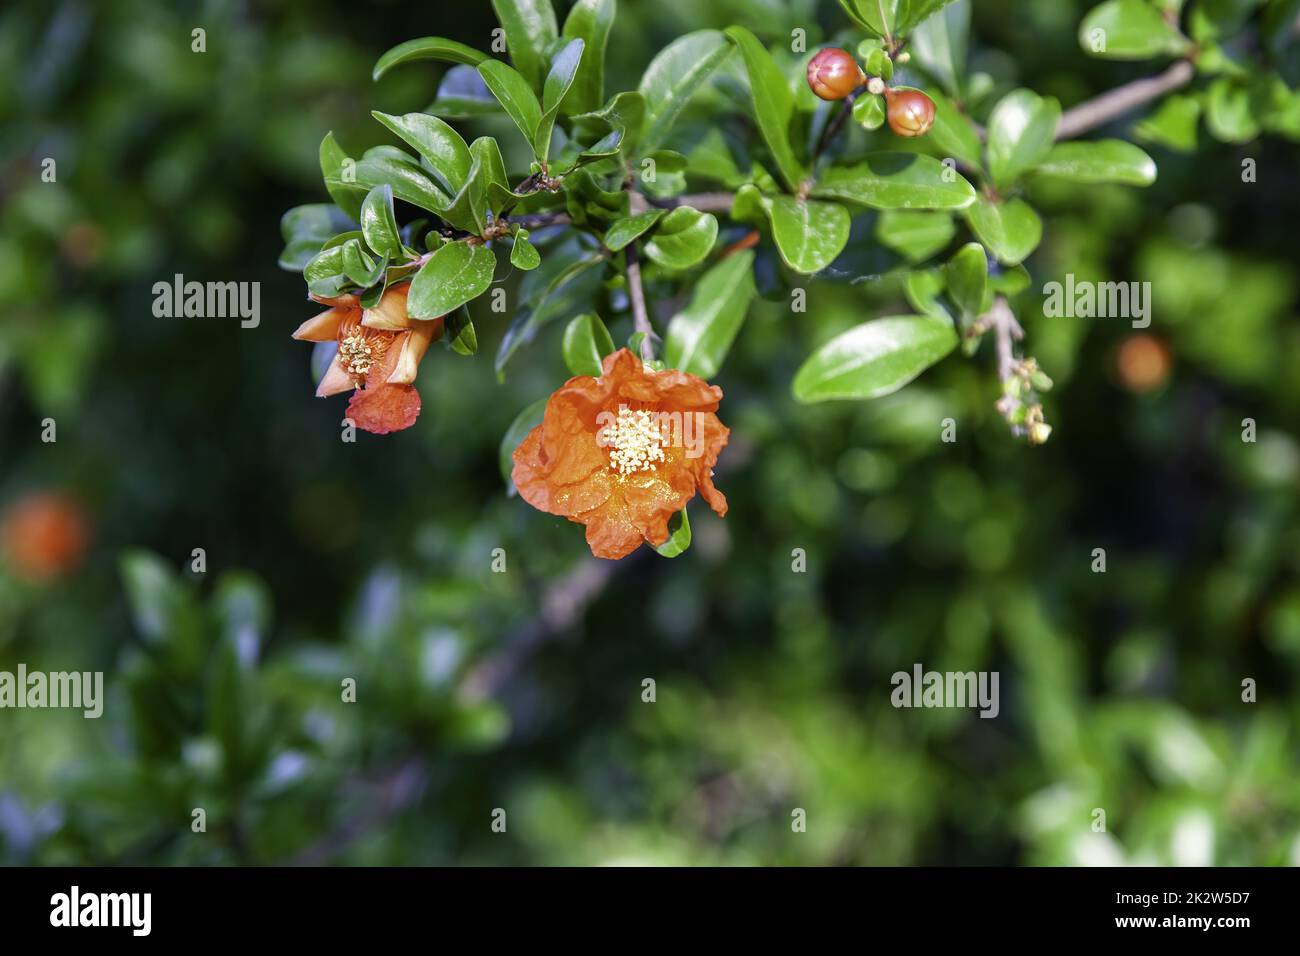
(1115, 103)
(1006, 331)
(640, 315)
(835, 125)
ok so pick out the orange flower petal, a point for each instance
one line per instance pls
(390, 312)
(334, 381)
(323, 327)
(384, 408)
(413, 346)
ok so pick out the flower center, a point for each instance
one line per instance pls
(358, 352)
(635, 441)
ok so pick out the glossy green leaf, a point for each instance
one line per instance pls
(359, 267)
(953, 134)
(915, 234)
(626, 112)
(410, 183)
(379, 225)
(624, 231)
(874, 359)
(679, 536)
(305, 229)
(455, 274)
(1128, 30)
(922, 289)
(440, 145)
(674, 75)
(523, 255)
(531, 30)
(682, 238)
(869, 111)
(427, 48)
(897, 181)
(700, 336)
(528, 419)
(1021, 130)
(154, 594)
(333, 163)
(773, 104)
(808, 234)
(590, 21)
(558, 82)
(1099, 161)
(515, 96)
(463, 94)
(967, 275)
(586, 343)
(459, 332)
(939, 45)
(1011, 230)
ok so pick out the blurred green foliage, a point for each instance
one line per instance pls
(477, 690)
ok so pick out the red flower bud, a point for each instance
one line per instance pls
(833, 74)
(910, 112)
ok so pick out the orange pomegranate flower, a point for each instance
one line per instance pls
(378, 356)
(623, 453)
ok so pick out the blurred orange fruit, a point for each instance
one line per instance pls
(45, 535)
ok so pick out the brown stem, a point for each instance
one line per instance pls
(1006, 331)
(1115, 103)
(640, 315)
(835, 125)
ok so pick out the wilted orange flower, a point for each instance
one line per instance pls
(623, 453)
(379, 354)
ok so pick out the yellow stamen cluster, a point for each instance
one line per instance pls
(635, 441)
(358, 353)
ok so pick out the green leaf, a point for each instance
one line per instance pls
(558, 81)
(305, 229)
(874, 359)
(897, 181)
(463, 94)
(922, 289)
(915, 234)
(427, 48)
(1230, 113)
(332, 164)
(623, 231)
(460, 335)
(379, 225)
(625, 112)
(455, 274)
(953, 134)
(875, 16)
(967, 275)
(1021, 130)
(563, 286)
(514, 95)
(523, 255)
(590, 21)
(1173, 125)
(674, 75)
(1129, 30)
(700, 336)
(438, 143)
(773, 104)
(939, 45)
(1099, 161)
(586, 343)
(410, 183)
(154, 596)
(530, 31)
(524, 422)
(869, 111)
(359, 267)
(1010, 229)
(679, 536)
(682, 238)
(808, 234)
